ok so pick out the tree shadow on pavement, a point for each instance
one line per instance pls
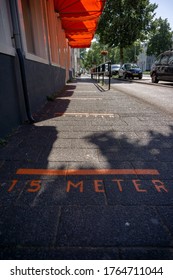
(59, 102)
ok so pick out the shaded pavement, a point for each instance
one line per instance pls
(91, 179)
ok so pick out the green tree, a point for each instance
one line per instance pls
(131, 53)
(161, 38)
(93, 56)
(125, 21)
(83, 53)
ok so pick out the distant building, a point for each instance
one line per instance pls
(144, 61)
(77, 61)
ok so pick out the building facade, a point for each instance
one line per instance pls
(35, 59)
(144, 61)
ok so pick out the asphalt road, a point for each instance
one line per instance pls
(160, 95)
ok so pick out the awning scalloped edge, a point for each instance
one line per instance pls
(79, 20)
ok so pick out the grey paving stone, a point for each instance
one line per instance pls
(64, 155)
(112, 226)
(10, 168)
(28, 226)
(164, 168)
(122, 191)
(93, 128)
(10, 191)
(60, 143)
(25, 153)
(167, 215)
(146, 254)
(73, 191)
(125, 155)
(59, 253)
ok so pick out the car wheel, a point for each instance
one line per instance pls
(154, 78)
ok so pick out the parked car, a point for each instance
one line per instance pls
(162, 69)
(130, 70)
(115, 69)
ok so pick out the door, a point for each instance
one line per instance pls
(170, 68)
(162, 71)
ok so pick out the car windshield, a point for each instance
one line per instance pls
(115, 66)
(130, 66)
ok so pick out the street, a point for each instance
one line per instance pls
(159, 95)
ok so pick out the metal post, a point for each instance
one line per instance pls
(109, 69)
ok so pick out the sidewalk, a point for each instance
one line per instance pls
(91, 179)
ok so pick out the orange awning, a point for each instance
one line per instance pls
(79, 19)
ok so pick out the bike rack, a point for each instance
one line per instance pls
(99, 72)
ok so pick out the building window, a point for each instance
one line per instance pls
(61, 39)
(52, 32)
(57, 40)
(34, 30)
(43, 38)
(6, 45)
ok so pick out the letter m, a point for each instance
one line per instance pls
(78, 185)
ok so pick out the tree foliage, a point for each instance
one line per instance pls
(93, 56)
(125, 21)
(161, 38)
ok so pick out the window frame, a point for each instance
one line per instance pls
(6, 44)
(42, 53)
(157, 61)
(166, 57)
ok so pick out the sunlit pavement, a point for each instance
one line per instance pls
(91, 179)
(146, 79)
